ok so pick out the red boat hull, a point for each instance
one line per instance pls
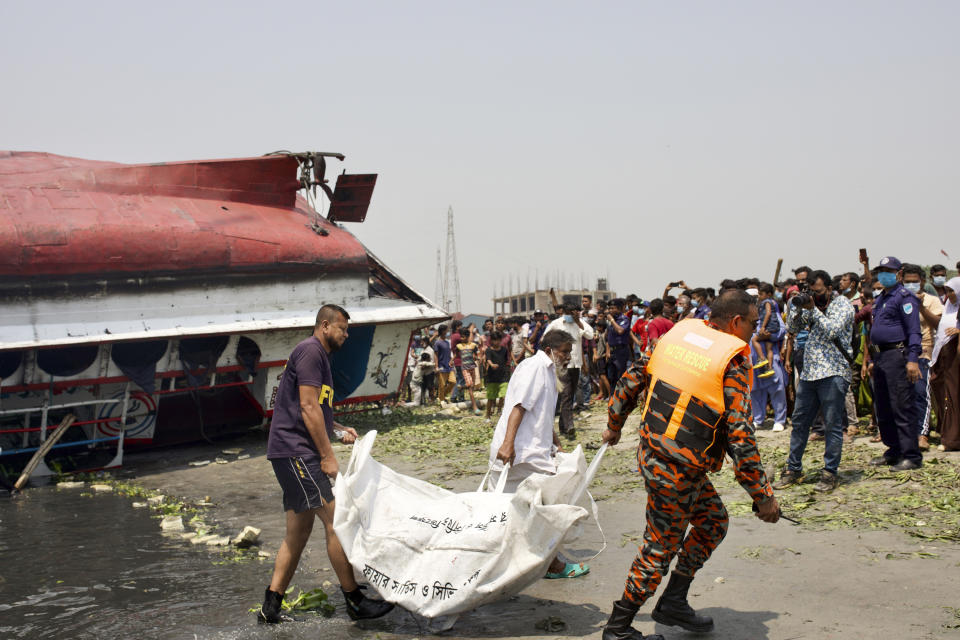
(72, 218)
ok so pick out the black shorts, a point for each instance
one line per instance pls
(305, 486)
(429, 380)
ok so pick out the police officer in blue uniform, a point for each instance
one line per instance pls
(618, 339)
(894, 352)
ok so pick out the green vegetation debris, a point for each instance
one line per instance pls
(313, 601)
(954, 622)
(630, 537)
(925, 503)
(191, 513)
(752, 553)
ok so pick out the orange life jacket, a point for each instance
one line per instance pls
(685, 405)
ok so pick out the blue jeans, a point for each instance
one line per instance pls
(457, 394)
(585, 390)
(827, 395)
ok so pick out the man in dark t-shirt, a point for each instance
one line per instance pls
(308, 365)
(497, 358)
(444, 365)
(303, 460)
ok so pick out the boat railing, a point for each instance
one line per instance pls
(44, 410)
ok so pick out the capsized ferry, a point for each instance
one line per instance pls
(159, 302)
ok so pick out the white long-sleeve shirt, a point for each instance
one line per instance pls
(533, 386)
(576, 354)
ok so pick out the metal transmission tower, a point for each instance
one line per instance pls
(451, 275)
(438, 290)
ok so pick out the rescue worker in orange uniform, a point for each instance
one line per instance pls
(697, 409)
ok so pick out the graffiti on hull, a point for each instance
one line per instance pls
(380, 375)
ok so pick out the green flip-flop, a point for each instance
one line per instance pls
(570, 570)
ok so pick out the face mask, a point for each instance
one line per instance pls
(847, 290)
(778, 295)
(567, 318)
(939, 281)
(694, 304)
(636, 310)
(681, 309)
(821, 299)
(912, 287)
(753, 291)
(887, 279)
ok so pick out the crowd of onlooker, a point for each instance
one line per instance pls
(880, 343)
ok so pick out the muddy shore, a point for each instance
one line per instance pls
(878, 558)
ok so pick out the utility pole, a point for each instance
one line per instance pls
(451, 275)
(438, 290)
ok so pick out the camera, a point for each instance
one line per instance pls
(801, 299)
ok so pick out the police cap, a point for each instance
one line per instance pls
(890, 263)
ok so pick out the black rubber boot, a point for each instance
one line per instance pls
(672, 608)
(270, 611)
(618, 626)
(360, 607)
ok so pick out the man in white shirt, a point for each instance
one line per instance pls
(525, 436)
(571, 323)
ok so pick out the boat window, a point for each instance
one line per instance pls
(138, 361)
(201, 353)
(248, 354)
(9, 363)
(131, 354)
(67, 361)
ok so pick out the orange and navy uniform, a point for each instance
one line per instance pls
(736, 438)
(679, 492)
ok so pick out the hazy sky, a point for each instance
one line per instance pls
(650, 141)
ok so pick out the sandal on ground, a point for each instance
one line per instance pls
(571, 570)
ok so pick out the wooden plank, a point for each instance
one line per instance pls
(44, 450)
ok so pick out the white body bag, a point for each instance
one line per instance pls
(437, 553)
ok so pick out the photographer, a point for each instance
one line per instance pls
(824, 376)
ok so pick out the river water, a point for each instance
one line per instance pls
(74, 566)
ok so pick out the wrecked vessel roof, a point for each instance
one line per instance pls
(82, 219)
